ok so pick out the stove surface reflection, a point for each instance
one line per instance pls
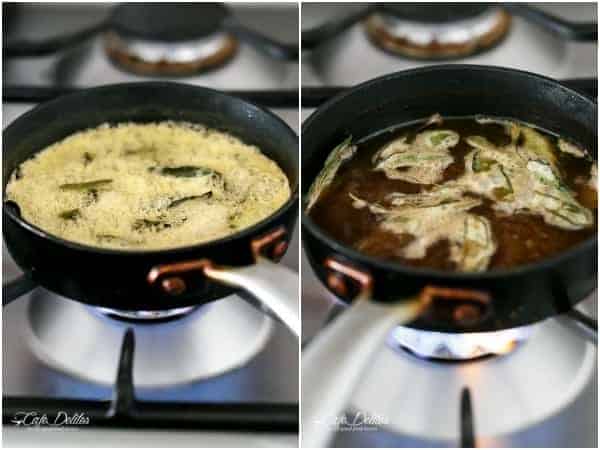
(227, 352)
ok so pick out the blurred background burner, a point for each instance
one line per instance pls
(434, 31)
(458, 346)
(169, 39)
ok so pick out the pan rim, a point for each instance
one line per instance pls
(381, 264)
(240, 235)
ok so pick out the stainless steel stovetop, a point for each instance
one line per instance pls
(545, 394)
(350, 58)
(264, 371)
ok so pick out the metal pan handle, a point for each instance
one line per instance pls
(270, 286)
(336, 359)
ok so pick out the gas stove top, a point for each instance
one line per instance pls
(541, 389)
(351, 56)
(219, 375)
(483, 401)
(447, 390)
(87, 64)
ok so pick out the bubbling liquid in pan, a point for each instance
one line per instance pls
(460, 194)
(147, 186)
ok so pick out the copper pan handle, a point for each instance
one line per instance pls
(272, 286)
(335, 361)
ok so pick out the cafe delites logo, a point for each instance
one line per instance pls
(60, 419)
(357, 421)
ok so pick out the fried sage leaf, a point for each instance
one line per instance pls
(592, 182)
(434, 119)
(85, 185)
(555, 201)
(87, 158)
(123, 241)
(571, 149)
(511, 128)
(181, 200)
(434, 216)
(18, 173)
(140, 151)
(522, 177)
(70, 214)
(150, 224)
(481, 164)
(184, 171)
(474, 252)
(336, 158)
(420, 162)
(438, 139)
(539, 146)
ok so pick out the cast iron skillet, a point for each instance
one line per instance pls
(152, 280)
(439, 301)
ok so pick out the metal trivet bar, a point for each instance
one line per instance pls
(276, 98)
(467, 428)
(125, 411)
(313, 97)
(589, 323)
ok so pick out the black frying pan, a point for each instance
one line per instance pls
(440, 301)
(125, 279)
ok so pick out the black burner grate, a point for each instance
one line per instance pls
(125, 411)
(467, 427)
(275, 98)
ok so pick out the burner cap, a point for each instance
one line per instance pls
(434, 13)
(458, 346)
(430, 32)
(168, 22)
(173, 39)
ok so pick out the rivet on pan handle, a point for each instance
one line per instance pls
(469, 307)
(271, 287)
(340, 272)
(271, 245)
(172, 284)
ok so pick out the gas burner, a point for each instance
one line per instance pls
(209, 341)
(516, 398)
(458, 346)
(145, 316)
(427, 31)
(169, 38)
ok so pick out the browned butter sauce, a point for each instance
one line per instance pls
(521, 238)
